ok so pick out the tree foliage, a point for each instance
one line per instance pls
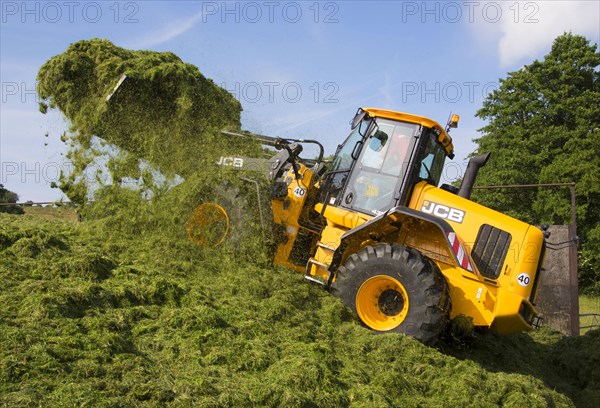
(9, 197)
(544, 127)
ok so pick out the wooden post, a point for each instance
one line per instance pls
(573, 272)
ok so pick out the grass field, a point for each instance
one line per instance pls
(93, 318)
(589, 305)
(52, 213)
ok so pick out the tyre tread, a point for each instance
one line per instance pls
(428, 290)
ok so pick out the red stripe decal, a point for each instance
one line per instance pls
(465, 263)
(456, 246)
(460, 253)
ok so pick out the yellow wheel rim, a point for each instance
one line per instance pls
(382, 303)
(208, 225)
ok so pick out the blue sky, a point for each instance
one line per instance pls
(300, 69)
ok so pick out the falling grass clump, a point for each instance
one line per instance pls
(161, 112)
(142, 121)
(123, 310)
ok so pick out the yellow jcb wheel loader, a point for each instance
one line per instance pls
(404, 255)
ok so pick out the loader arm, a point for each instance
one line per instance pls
(279, 143)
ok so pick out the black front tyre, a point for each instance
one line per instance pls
(396, 289)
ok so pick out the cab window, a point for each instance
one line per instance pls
(377, 176)
(342, 164)
(432, 160)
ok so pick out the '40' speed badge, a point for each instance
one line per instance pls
(523, 279)
(299, 192)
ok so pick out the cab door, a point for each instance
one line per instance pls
(376, 179)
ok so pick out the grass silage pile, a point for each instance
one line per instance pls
(123, 310)
(91, 317)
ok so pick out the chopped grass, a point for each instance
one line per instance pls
(91, 319)
(123, 310)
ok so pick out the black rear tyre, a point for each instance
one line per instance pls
(392, 288)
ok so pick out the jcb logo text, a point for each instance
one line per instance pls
(443, 211)
(235, 162)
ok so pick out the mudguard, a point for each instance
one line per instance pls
(430, 235)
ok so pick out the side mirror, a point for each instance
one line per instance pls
(381, 136)
(379, 140)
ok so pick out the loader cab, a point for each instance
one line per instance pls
(383, 158)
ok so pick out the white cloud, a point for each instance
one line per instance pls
(169, 31)
(526, 29)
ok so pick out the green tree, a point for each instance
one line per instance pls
(544, 127)
(8, 197)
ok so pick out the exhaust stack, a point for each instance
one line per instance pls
(475, 164)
